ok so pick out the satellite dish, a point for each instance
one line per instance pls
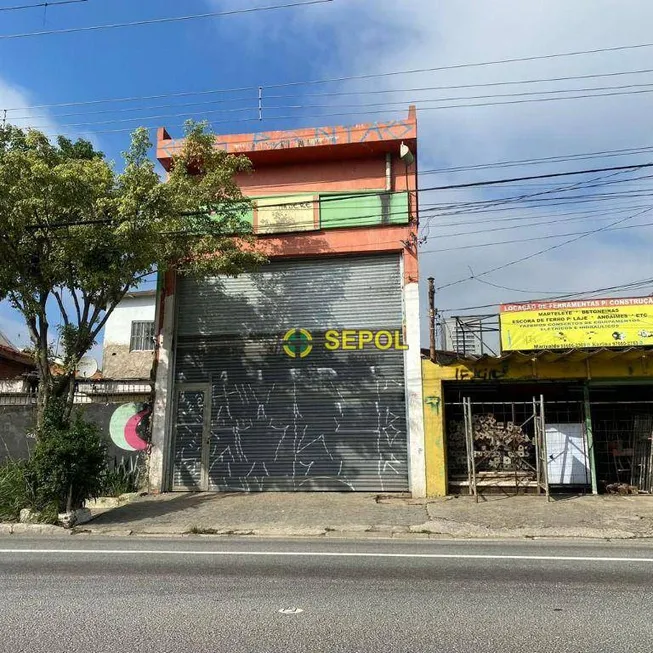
(87, 367)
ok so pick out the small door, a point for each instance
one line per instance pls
(566, 447)
(191, 433)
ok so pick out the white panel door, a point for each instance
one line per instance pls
(566, 446)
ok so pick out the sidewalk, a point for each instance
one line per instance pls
(371, 515)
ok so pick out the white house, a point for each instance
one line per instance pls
(128, 350)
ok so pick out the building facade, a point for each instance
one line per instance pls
(14, 364)
(539, 421)
(463, 336)
(306, 374)
(128, 349)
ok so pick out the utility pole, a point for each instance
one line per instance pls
(432, 319)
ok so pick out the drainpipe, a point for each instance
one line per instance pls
(432, 319)
(388, 172)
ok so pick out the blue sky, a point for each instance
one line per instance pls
(362, 37)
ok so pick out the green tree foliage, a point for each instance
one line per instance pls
(68, 463)
(14, 494)
(76, 235)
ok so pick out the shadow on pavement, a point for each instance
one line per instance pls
(153, 507)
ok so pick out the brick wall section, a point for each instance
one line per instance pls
(120, 363)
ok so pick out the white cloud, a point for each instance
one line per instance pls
(13, 327)
(16, 100)
(377, 36)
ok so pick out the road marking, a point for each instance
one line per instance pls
(291, 611)
(328, 554)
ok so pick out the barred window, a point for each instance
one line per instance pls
(142, 336)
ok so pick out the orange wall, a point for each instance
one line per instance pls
(326, 176)
(336, 242)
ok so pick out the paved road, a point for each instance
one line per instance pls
(211, 595)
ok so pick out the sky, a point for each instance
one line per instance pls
(353, 38)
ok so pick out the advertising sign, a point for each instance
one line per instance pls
(616, 322)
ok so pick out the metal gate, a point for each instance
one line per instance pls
(507, 444)
(282, 410)
(191, 432)
(516, 444)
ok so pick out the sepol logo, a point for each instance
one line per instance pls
(299, 343)
(354, 339)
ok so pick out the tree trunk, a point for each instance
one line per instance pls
(69, 392)
(44, 393)
(42, 399)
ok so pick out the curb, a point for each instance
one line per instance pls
(359, 533)
(33, 529)
(428, 531)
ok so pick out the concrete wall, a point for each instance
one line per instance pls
(117, 361)
(16, 423)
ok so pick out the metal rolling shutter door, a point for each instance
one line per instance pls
(329, 421)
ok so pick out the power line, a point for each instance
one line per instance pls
(52, 3)
(384, 112)
(467, 65)
(480, 206)
(291, 107)
(529, 225)
(544, 160)
(335, 94)
(528, 240)
(586, 213)
(353, 77)
(621, 287)
(450, 87)
(539, 202)
(544, 251)
(375, 112)
(458, 98)
(359, 195)
(494, 182)
(159, 21)
(589, 183)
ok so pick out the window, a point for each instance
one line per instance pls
(142, 336)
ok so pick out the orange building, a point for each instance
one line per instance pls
(306, 374)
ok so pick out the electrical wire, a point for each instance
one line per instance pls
(451, 87)
(543, 160)
(377, 112)
(359, 195)
(586, 213)
(551, 175)
(254, 108)
(618, 288)
(362, 77)
(337, 114)
(52, 3)
(544, 251)
(527, 240)
(159, 21)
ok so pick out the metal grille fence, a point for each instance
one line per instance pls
(87, 392)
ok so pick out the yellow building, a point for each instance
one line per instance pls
(539, 421)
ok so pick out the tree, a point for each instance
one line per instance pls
(75, 235)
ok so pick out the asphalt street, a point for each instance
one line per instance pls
(202, 594)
